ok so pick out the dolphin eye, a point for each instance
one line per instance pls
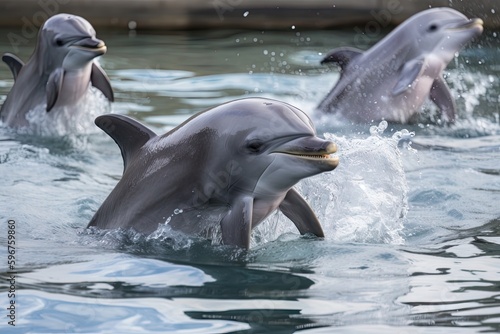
(59, 42)
(432, 28)
(255, 145)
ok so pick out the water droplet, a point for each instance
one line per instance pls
(132, 25)
(293, 27)
(245, 14)
(265, 52)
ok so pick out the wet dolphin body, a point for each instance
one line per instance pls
(59, 72)
(224, 170)
(392, 79)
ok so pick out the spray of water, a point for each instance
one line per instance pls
(68, 120)
(365, 199)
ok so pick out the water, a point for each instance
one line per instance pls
(411, 214)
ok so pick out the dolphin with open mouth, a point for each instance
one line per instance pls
(220, 173)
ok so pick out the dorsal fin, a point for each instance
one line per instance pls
(341, 56)
(15, 64)
(129, 134)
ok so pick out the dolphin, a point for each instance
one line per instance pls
(217, 175)
(58, 72)
(393, 78)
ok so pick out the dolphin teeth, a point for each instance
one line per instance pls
(322, 156)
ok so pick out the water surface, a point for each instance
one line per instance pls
(412, 230)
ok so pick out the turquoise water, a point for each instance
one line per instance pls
(412, 229)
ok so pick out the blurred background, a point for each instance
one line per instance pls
(250, 14)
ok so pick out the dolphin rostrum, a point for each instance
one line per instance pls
(58, 72)
(220, 173)
(392, 79)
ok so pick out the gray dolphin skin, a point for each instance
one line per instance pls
(217, 175)
(59, 71)
(392, 79)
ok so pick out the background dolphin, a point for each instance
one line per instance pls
(223, 170)
(59, 71)
(392, 79)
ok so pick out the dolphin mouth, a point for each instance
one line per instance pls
(91, 44)
(323, 154)
(471, 24)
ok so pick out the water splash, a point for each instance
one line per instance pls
(73, 120)
(364, 200)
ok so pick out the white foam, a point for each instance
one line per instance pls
(365, 199)
(68, 120)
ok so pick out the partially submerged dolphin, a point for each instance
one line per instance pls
(392, 79)
(59, 72)
(223, 171)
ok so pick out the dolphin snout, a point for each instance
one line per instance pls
(312, 149)
(91, 44)
(309, 146)
(471, 24)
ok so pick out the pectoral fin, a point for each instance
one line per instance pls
(236, 226)
(409, 73)
(300, 213)
(15, 64)
(100, 81)
(440, 94)
(54, 85)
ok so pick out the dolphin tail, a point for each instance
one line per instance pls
(129, 134)
(300, 213)
(15, 64)
(100, 81)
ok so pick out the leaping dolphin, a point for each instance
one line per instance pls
(222, 171)
(59, 71)
(392, 79)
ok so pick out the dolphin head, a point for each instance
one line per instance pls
(68, 41)
(443, 31)
(273, 145)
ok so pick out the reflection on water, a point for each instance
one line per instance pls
(412, 229)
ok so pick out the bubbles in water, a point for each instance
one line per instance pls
(378, 130)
